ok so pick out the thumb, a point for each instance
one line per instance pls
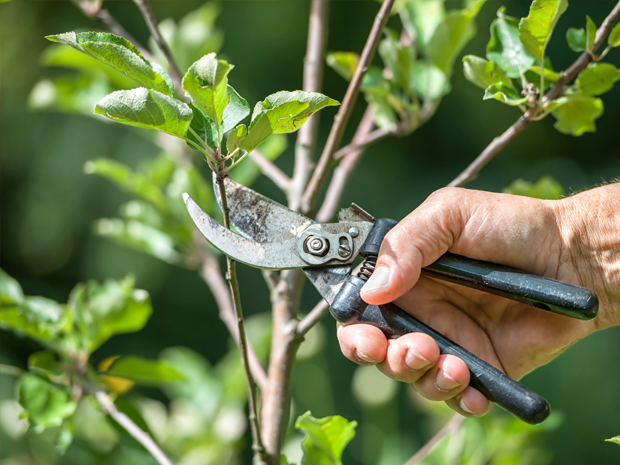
(417, 241)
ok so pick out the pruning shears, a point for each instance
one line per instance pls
(274, 237)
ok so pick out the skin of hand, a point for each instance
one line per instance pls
(575, 240)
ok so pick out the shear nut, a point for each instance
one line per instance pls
(316, 245)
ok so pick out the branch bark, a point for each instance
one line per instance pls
(496, 146)
(149, 17)
(134, 430)
(342, 117)
(312, 82)
(343, 170)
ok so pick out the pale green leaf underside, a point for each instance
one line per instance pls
(45, 404)
(576, 113)
(325, 438)
(597, 78)
(483, 73)
(614, 36)
(147, 108)
(615, 439)
(535, 30)
(344, 63)
(236, 110)
(505, 93)
(120, 54)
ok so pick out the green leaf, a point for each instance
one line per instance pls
(122, 176)
(325, 438)
(484, 73)
(344, 63)
(576, 39)
(505, 93)
(545, 188)
(398, 59)
(143, 371)
(281, 113)
(206, 83)
(615, 439)
(236, 110)
(451, 36)
(590, 34)
(10, 291)
(429, 81)
(205, 128)
(120, 54)
(421, 18)
(45, 362)
(139, 236)
(505, 48)
(535, 30)
(576, 113)
(113, 307)
(65, 437)
(146, 108)
(614, 36)
(235, 137)
(45, 404)
(597, 78)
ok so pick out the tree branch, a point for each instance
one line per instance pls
(343, 170)
(342, 117)
(134, 430)
(450, 427)
(211, 274)
(312, 82)
(471, 172)
(369, 139)
(270, 170)
(231, 277)
(149, 17)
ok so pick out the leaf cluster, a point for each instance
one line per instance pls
(517, 71)
(417, 63)
(61, 374)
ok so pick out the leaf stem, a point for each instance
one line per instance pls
(10, 370)
(342, 117)
(149, 17)
(231, 277)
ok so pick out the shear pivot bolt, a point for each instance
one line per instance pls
(344, 251)
(316, 245)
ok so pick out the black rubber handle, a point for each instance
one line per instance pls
(548, 294)
(509, 394)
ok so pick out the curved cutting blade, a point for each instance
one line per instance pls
(269, 255)
(258, 217)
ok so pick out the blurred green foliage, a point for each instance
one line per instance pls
(52, 207)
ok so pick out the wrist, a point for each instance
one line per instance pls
(589, 227)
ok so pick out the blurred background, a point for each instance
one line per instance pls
(50, 205)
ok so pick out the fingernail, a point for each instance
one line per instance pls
(362, 357)
(415, 361)
(444, 382)
(464, 407)
(378, 280)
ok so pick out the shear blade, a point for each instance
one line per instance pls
(268, 255)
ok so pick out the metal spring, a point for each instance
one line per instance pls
(368, 267)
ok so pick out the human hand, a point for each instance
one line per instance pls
(575, 240)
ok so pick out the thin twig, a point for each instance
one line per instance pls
(342, 117)
(270, 170)
(312, 82)
(344, 168)
(312, 318)
(114, 27)
(211, 274)
(524, 121)
(231, 277)
(450, 427)
(10, 370)
(370, 138)
(149, 17)
(134, 430)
